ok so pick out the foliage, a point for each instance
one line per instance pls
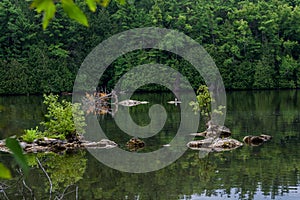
(31, 134)
(254, 45)
(62, 117)
(48, 7)
(203, 103)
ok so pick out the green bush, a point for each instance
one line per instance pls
(203, 103)
(61, 117)
(31, 135)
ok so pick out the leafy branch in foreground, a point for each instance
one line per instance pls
(48, 8)
(14, 147)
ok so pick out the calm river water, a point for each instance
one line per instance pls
(270, 171)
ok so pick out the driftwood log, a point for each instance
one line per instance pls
(56, 145)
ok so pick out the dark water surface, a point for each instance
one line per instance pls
(270, 171)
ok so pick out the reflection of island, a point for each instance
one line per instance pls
(52, 176)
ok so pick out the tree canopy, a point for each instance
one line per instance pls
(255, 44)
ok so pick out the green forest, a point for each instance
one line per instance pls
(254, 44)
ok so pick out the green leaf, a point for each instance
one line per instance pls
(91, 4)
(104, 3)
(17, 151)
(46, 6)
(4, 172)
(122, 2)
(74, 12)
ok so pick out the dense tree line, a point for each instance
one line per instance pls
(255, 44)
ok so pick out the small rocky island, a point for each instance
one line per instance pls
(218, 138)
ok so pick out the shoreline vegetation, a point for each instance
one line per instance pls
(254, 44)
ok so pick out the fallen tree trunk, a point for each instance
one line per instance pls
(57, 145)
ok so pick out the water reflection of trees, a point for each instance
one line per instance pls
(272, 168)
(244, 172)
(269, 168)
(52, 176)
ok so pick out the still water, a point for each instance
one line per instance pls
(270, 171)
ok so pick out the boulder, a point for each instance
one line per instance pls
(214, 131)
(135, 144)
(256, 140)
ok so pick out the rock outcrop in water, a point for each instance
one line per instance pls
(256, 140)
(217, 138)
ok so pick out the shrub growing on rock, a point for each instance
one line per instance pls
(60, 120)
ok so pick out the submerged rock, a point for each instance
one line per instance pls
(135, 144)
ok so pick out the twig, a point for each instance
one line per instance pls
(49, 179)
(76, 192)
(63, 193)
(5, 194)
(3, 186)
(28, 188)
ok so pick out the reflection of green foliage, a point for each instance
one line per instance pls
(65, 170)
(272, 168)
